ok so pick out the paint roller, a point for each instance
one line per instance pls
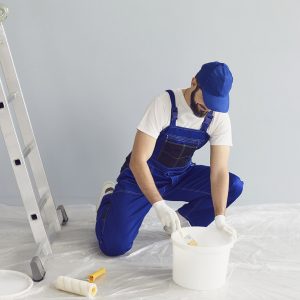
(80, 287)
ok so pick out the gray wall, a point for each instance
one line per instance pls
(88, 70)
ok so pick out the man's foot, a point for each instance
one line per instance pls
(107, 188)
(183, 222)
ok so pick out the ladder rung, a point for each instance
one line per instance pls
(12, 97)
(28, 149)
(43, 201)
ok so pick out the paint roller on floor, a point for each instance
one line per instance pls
(76, 286)
(80, 287)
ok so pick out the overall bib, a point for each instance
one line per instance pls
(177, 178)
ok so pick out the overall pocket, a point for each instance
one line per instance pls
(174, 154)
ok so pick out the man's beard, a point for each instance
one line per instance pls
(197, 112)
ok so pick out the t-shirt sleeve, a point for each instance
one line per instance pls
(222, 134)
(156, 117)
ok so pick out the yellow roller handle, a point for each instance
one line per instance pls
(95, 275)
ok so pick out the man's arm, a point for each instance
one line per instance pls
(219, 177)
(142, 150)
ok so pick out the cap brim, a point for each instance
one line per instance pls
(216, 103)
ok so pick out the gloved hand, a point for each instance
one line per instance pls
(167, 215)
(221, 224)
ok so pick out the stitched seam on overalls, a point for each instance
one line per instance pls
(179, 158)
(176, 157)
(191, 190)
(104, 216)
(128, 192)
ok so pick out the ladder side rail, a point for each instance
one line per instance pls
(26, 130)
(22, 176)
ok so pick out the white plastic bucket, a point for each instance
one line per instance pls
(202, 267)
(14, 284)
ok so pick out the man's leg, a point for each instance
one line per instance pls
(119, 218)
(194, 188)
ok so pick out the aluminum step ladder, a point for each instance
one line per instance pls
(44, 218)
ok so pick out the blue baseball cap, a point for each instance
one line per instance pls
(215, 81)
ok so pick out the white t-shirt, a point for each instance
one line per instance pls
(158, 116)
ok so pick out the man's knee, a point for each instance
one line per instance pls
(236, 186)
(114, 246)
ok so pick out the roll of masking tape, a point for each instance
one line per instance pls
(75, 286)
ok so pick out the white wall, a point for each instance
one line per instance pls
(88, 70)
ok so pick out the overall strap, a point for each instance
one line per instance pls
(208, 118)
(174, 111)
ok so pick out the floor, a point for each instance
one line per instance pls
(264, 263)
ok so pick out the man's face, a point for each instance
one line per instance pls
(197, 103)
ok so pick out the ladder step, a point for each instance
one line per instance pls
(28, 149)
(43, 201)
(12, 97)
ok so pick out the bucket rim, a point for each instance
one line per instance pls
(200, 248)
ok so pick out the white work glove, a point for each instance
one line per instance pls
(221, 224)
(167, 215)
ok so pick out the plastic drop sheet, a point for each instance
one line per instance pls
(264, 263)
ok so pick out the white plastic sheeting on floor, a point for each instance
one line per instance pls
(264, 263)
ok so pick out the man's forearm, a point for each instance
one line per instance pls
(219, 189)
(145, 181)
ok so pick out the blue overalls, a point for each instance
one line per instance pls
(177, 178)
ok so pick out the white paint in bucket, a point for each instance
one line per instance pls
(202, 267)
